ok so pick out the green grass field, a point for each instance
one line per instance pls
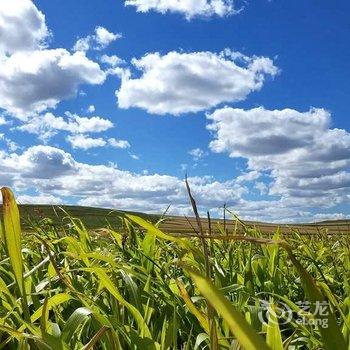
(64, 286)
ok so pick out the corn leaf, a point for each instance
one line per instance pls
(112, 288)
(240, 328)
(331, 334)
(12, 234)
(273, 334)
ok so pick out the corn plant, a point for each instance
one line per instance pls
(137, 287)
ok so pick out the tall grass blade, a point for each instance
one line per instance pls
(331, 334)
(78, 317)
(273, 334)
(12, 235)
(240, 328)
(112, 288)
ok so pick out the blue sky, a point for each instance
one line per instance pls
(248, 97)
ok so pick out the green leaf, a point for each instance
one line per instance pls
(273, 334)
(51, 302)
(202, 337)
(12, 234)
(331, 334)
(78, 317)
(183, 242)
(241, 329)
(112, 288)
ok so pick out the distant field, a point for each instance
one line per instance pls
(186, 225)
(95, 218)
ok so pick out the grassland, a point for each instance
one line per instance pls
(63, 286)
(97, 218)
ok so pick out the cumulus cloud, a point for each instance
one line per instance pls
(91, 109)
(22, 27)
(114, 65)
(48, 125)
(113, 60)
(33, 81)
(308, 161)
(98, 41)
(190, 82)
(272, 211)
(32, 77)
(82, 44)
(53, 172)
(11, 145)
(331, 216)
(118, 143)
(85, 142)
(103, 37)
(188, 8)
(247, 177)
(39, 199)
(35, 164)
(261, 187)
(197, 154)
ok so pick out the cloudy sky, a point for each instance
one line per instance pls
(109, 103)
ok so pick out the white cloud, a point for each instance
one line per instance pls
(35, 164)
(188, 8)
(39, 199)
(34, 81)
(331, 216)
(48, 125)
(91, 109)
(197, 154)
(112, 60)
(11, 145)
(190, 82)
(118, 143)
(2, 120)
(308, 161)
(53, 172)
(22, 26)
(85, 142)
(33, 78)
(98, 41)
(82, 44)
(250, 176)
(261, 187)
(114, 64)
(272, 211)
(103, 37)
